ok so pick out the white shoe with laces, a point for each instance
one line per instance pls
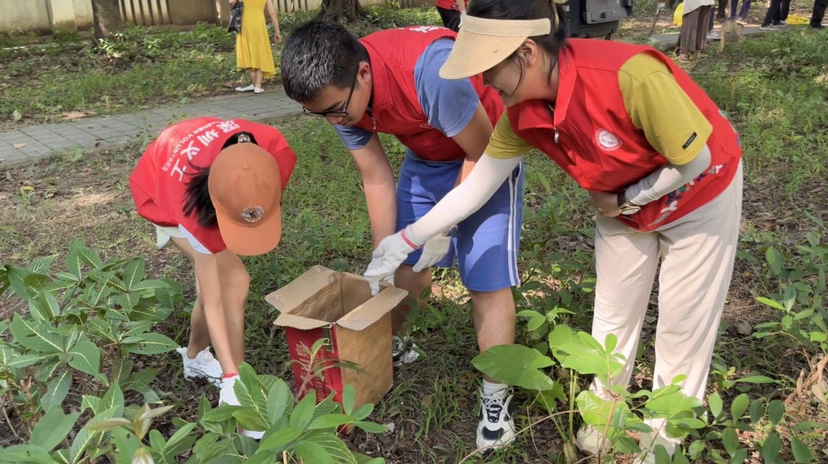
(496, 428)
(249, 88)
(203, 366)
(403, 351)
(227, 395)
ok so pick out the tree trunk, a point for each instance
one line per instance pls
(107, 17)
(341, 11)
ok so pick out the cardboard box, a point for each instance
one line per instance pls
(338, 307)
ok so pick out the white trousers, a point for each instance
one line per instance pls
(696, 254)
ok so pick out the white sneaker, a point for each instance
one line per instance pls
(203, 366)
(227, 395)
(496, 428)
(258, 90)
(248, 88)
(591, 442)
(403, 351)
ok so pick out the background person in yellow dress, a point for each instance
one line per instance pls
(253, 51)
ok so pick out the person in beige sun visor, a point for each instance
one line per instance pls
(661, 162)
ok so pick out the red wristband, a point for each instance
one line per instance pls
(229, 375)
(407, 241)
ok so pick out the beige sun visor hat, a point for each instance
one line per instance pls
(483, 43)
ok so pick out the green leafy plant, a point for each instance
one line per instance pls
(76, 318)
(802, 288)
(96, 310)
(293, 431)
(619, 414)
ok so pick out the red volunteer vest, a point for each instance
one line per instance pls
(593, 139)
(396, 109)
(449, 4)
(159, 180)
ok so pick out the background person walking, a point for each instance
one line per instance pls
(818, 14)
(697, 21)
(253, 52)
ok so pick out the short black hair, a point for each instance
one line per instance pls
(197, 195)
(316, 55)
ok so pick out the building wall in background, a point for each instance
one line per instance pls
(83, 14)
(25, 16)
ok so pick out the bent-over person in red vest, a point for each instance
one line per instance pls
(388, 82)
(213, 188)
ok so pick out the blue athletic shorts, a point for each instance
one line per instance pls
(486, 243)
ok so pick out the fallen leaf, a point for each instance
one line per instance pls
(427, 401)
(19, 145)
(819, 390)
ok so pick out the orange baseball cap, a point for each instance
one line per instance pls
(246, 190)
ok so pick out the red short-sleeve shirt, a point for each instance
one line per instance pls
(159, 180)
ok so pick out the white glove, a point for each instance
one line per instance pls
(374, 284)
(388, 256)
(433, 251)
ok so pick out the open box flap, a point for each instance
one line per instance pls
(372, 310)
(300, 289)
(299, 322)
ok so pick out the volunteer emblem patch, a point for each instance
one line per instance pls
(607, 140)
(252, 214)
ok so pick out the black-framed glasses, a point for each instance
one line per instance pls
(340, 113)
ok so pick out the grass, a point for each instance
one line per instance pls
(138, 68)
(774, 89)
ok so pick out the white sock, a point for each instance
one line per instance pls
(491, 388)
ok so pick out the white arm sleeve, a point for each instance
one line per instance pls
(666, 179)
(465, 199)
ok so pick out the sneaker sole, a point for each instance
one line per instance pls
(403, 361)
(216, 382)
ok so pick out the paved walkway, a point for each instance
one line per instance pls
(33, 143)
